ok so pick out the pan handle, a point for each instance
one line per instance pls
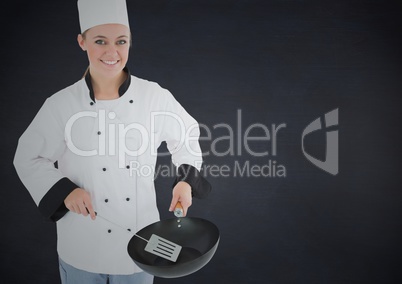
(178, 210)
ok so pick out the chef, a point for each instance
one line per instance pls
(91, 151)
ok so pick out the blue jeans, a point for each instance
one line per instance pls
(72, 275)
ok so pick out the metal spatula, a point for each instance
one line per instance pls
(156, 245)
(162, 247)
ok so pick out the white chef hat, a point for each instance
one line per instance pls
(98, 12)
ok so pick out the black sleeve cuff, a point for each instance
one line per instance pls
(200, 187)
(52, 204)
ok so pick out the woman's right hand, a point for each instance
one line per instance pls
(79, 201)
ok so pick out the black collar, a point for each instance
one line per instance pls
(122, 89)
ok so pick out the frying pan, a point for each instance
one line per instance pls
(198, 237)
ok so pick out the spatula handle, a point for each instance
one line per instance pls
(178, 210)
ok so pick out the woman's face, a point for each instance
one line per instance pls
(107, 47)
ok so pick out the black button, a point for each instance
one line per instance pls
(104, 169)
(131, 101)
(91, 103)
(109, 231)
(106, 200)
(127, 166)
(128, 199)
(129, 230)
(99, 133)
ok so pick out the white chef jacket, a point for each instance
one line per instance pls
(101, 146)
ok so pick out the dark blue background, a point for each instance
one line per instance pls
(279, 62)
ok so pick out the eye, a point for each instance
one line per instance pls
(100, 41)
(121, 42)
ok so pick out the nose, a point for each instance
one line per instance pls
(111, 50)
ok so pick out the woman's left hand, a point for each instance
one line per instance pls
(182, 193)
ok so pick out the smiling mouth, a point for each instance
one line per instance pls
(110, 62)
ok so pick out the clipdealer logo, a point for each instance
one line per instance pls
(257, 140)
(331, 162)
